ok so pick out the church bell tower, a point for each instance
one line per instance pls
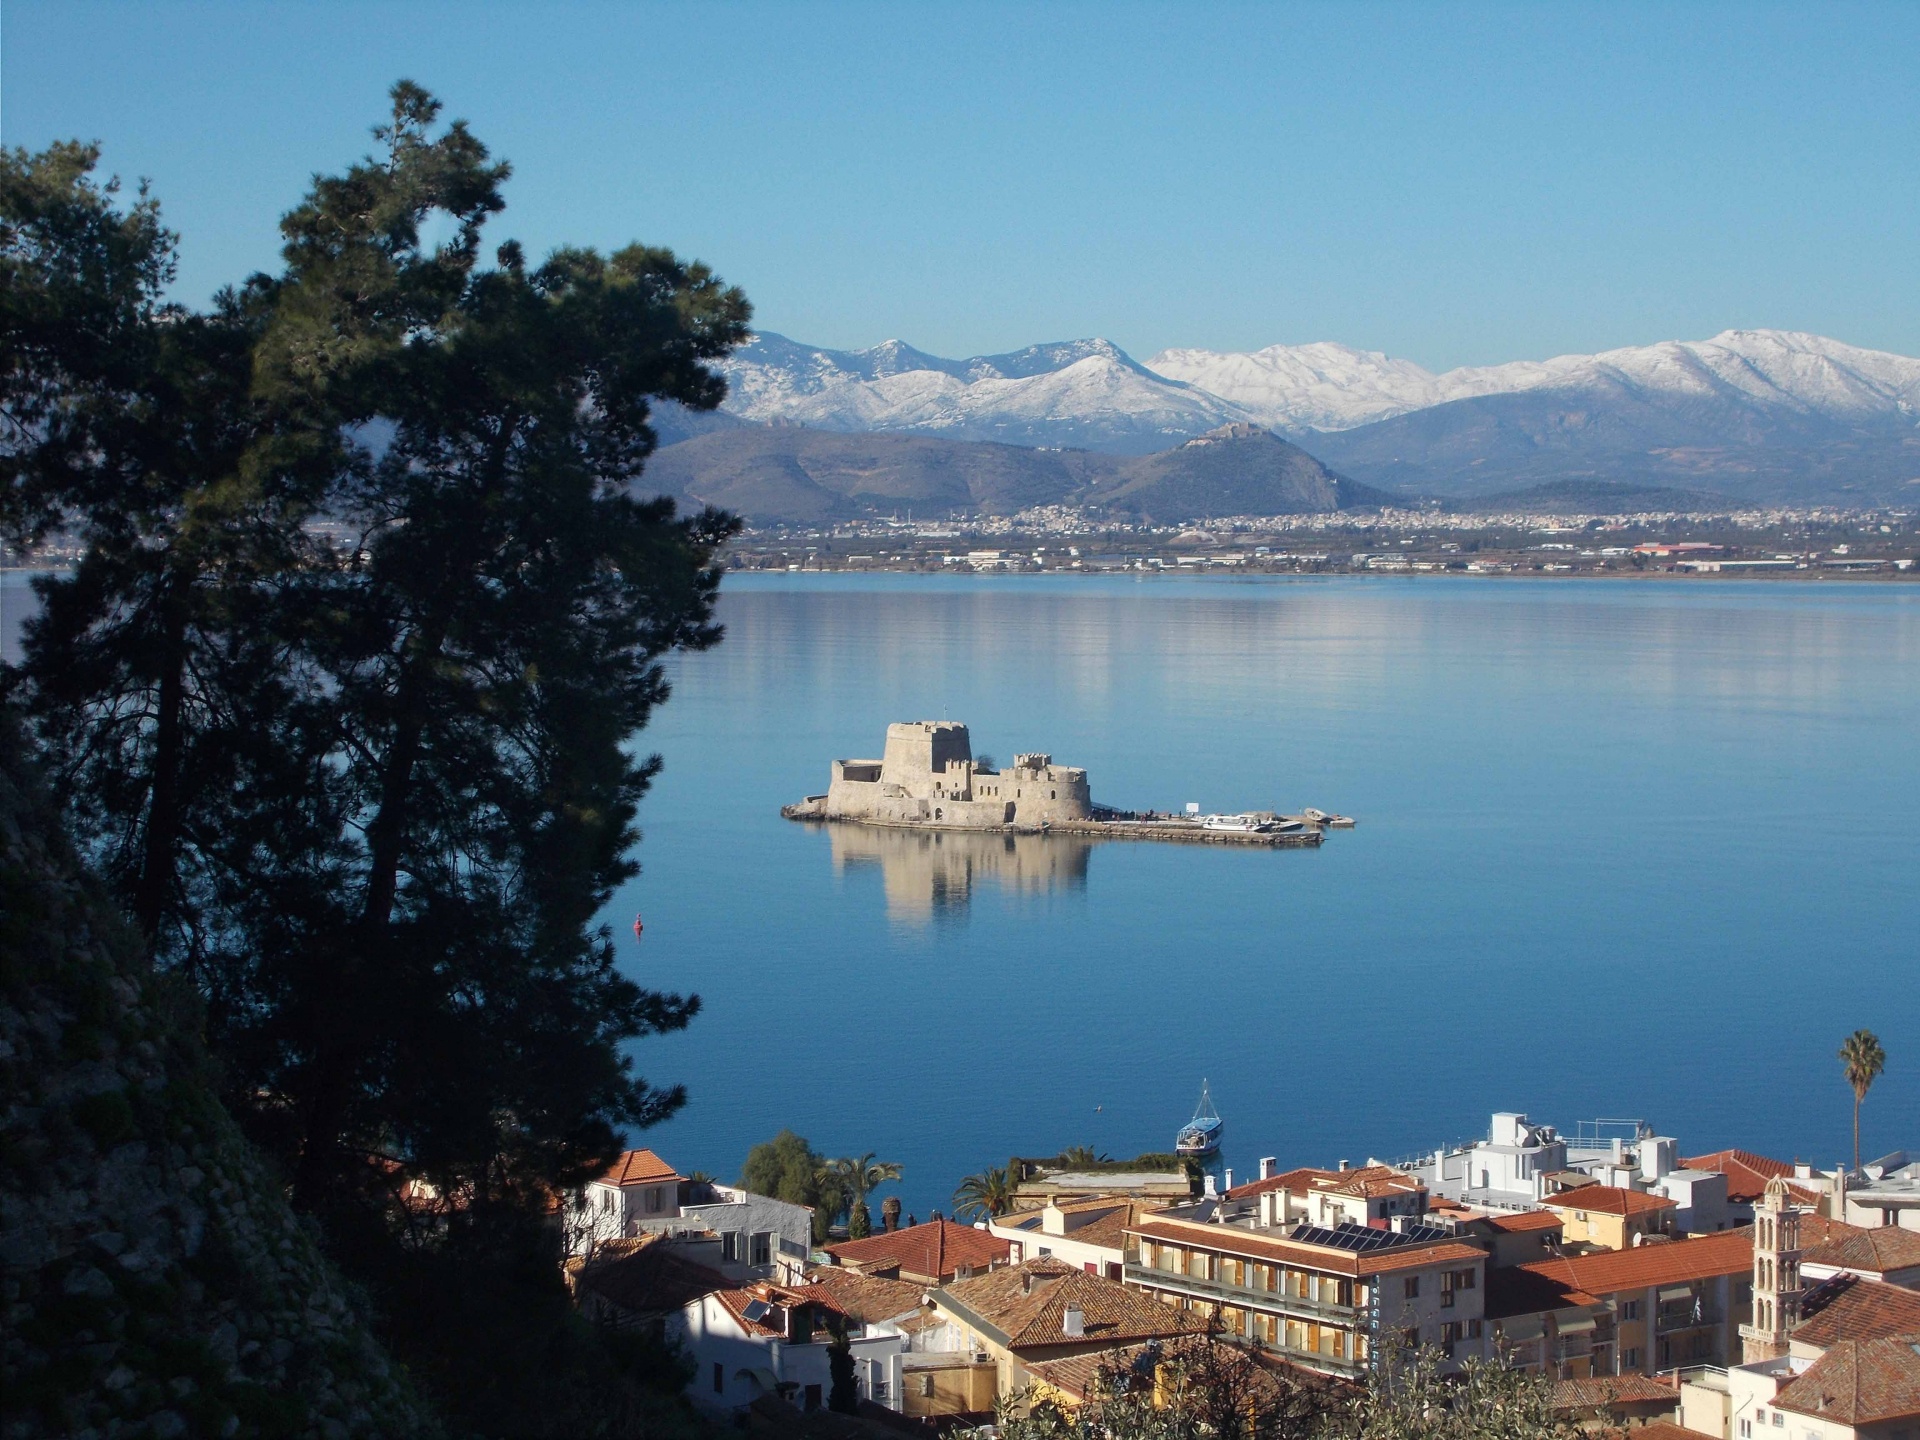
(1776, 1275)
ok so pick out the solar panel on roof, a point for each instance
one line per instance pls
(757, 1310)
(1364, 1239)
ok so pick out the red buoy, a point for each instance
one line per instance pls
(637, 927)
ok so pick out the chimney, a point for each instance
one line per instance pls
(1269, 1166)
(1026, 1282)
(1209, 1191)
(1053, 1220)
(1073, 1322)
(1227, 1184)
(1346, 1164)
(1270, 1202)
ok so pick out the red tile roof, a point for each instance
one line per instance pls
(638, 1167)
(1667, 1430)
(1747, 1175)
(1849, 1308)
(1730, 1252)
(1859, 1382)
(1028, 1304)
(737, 1300)
(1523, 1220)
(1884, 1248)
(1295, 1182)
(870, 1299)
(1604, 1391)
(935, 1251)
(1610, 1200)
(646, 1275)
(1231, 1240)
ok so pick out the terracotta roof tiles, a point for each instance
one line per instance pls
(1232, 1240)
(638, 1167)
(1603, 1391)
(935, 1250)
(1729, 1252)
(1859, 1382)
(1884, 1248)
(1610, 1200)
(1028, 1303)
(1849, 1308)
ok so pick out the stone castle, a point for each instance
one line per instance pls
(928, 776)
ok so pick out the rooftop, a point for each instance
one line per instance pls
(1295, 1182)
(1747, 1175)
(870, 1299)
(1602, 1391)
(1026, 1305)
(935, 1250)
(1849, 1308)
(1884, 1248)
(638, 1167)
(1729, 1252)
(647, 1275)
(1859, 1382)
(1609, 1200)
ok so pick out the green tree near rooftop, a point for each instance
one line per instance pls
(1863, 1061)
(856, 1177)
(788, 1168)
(985, 1195)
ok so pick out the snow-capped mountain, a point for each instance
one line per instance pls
(1332, 387)
(1084, 393)
(1769, 414)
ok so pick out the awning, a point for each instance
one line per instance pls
(1523, 1327)
(1676, 1292)
(1576, 1324)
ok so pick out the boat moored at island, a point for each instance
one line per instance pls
(1200, 1136)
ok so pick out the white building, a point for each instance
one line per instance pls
(758, 1237)
(767, 1339)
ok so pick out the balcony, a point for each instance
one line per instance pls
(1348, 1316)
(1671, 1318)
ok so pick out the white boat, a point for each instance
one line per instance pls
(1200, 1136)
(1241, 824)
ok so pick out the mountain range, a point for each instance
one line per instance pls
(1758, 415)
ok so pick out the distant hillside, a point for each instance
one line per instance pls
(795, 475)
(1595, 497)
(1237, 470)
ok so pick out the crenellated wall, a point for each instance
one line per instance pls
(927, 776)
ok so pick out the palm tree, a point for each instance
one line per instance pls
(1863, 1060)
(852, 1177)
(986, 1195)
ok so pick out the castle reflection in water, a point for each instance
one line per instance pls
(927, 873)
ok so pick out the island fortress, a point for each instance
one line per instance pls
(928, 776)
(928, 779)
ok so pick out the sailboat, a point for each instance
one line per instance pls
(1201, 1135)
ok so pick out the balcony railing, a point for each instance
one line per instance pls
(1245, 1295)
(1682, 1317)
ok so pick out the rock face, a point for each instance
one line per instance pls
(152, 1278)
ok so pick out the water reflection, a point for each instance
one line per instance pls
(931, 873)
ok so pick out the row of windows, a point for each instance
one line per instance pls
(1250, 1274)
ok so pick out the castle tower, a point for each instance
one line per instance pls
(1776, 1275)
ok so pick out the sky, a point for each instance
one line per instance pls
(1456, 184)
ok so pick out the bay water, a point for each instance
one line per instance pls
(1626, 849)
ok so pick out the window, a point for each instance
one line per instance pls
(1778, 1420)
(762, 1252)
(1746, 1430)
(1463, 1279)
(730, 1245)
(606, 1201)
(1410, 1337)
(1413, 1287)
(1473, 1329)
(1450, 1333)
(719, 1378)
(1630, 1310)
(1630, 1360)
(926, 1386)
(654, 1201)
(1046, 1250)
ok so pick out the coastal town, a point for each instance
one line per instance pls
(1722, 1295)
(1776, 542)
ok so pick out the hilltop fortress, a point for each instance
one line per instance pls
(928, 776)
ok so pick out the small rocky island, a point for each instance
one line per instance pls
(927, 778)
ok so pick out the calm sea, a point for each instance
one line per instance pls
(1626, 849)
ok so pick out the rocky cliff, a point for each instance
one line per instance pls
(153, 1280)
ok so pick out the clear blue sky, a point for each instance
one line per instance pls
(1458, 184)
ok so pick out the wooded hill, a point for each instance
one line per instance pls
(789, 474)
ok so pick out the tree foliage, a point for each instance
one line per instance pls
(788, 1168)
(986, 1194)
(342, 690)
(1863, 1060)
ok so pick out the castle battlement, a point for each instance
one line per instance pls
(927, 776)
